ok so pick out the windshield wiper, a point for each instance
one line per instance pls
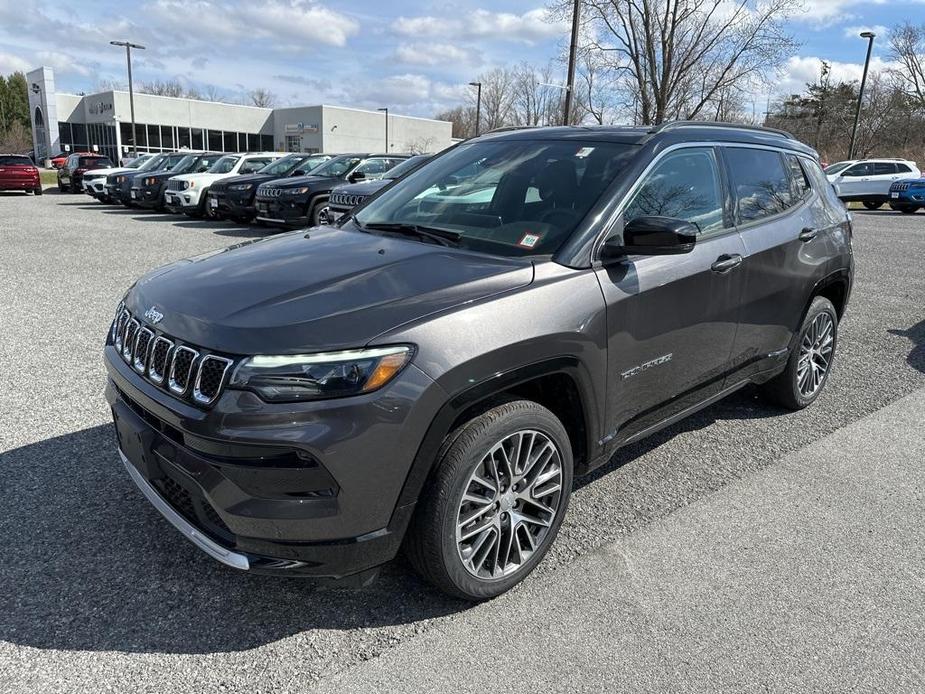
(444, 237)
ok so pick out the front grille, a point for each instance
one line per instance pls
(899, 186)
(269, 192)
(182, 370)
(346, 200)
(174, 185)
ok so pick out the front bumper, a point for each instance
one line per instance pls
(311, 492)
(911, 197)
(146, 196)
(182, 200)
(282, 211)
(235, 204)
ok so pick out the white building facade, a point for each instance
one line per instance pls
(101, 123)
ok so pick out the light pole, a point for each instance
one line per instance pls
(869, 35)
(572, 51)
(131, 96)
(386, 129)
(478, 105)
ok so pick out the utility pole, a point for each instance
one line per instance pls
(131, 95)
(478, 105)
(869, 35)
(386, 129)
(572, 54)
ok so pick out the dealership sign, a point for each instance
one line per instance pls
(100, 107)
(300, 128)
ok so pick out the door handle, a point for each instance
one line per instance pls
(808, 234)
(726, 262)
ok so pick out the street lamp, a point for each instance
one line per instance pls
(869, 35)
(386, 129)
(478, 105)
(131, 96)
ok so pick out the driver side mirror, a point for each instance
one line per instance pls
(356, 176)
(298, 172)
(652, 236)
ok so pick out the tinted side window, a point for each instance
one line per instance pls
(798, 178)
(882, 168)
(902, 168)
(859, 170)
(684, 185)
(760, 182)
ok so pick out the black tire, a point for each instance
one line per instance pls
(318, 208)
(62, 188)
(431, 545)
(39, 191)
(870, 205)
(784, 389)
(908, 210)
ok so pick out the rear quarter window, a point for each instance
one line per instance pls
(760, 182)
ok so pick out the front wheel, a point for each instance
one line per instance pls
(872, 205)
(38, 191)
(319, 213)
(908, 210)
(810, 359)
(495, 503)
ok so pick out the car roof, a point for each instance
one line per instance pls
(671, 132)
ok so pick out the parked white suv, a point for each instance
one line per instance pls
(94, 181)
(187, 193)
(868, 181)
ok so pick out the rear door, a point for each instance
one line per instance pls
(783, 223)
(856, 180)
(672, 319)
(884, 175)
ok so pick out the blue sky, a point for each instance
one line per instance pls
(415, 57)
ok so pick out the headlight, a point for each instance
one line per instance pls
(295, 378)
(296, 191)
(242, 186)
(188, 184)
(149, 182)
(120, 179)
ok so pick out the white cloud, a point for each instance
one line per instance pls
(444, 54)
(802, 70)
(825, 10)
(64, 63)
(288, 24)
(13, 63)
(529, 27)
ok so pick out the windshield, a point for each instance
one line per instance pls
(281, 167)
(510, 197)
(835, 168)
(153, 163)
(406, 166)
(185, 163)
(136, 162)
(337, 166)
(224, 165)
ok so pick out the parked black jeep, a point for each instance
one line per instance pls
(344, 198)
(148, 190)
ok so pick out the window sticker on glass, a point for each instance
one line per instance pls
(583, 152)
(529, 240)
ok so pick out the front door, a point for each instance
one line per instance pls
(672, 319)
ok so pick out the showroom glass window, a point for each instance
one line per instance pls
(760, 183)
(683, 185)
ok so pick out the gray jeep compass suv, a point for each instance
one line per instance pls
(433, 372)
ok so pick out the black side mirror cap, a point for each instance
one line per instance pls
(652, 236)
(356, 176)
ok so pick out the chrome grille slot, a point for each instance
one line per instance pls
(121, 322)
(128, 340)
(210, 378)
(142, 345)
(158, 361)
(181, 370)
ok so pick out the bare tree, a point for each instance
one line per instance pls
(261, 97)
(497, 98)
(535, 100)
(907, 47)
(679, 57)
(163, 88)
(420, 145)
(211, 93)
(596, 97)
(462, 118)
(15, 138)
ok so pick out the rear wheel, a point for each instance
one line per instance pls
(870, 205)
(810, 360)
(495, 503)
(908, 210)
(38, 191)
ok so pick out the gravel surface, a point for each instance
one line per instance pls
(100, 594)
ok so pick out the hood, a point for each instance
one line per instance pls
(256, 179)
(310, 181)
(105, 172)
(327, 289)
(364, 188)
(202, 178)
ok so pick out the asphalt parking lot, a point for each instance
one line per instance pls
(100, 594)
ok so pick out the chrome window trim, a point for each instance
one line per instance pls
(142, 365)
(153, 376)
(607, 227)
(171, 381)
(197, 394)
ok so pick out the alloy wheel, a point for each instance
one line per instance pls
(815, 354)
(509, 504)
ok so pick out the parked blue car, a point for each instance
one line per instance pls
(908, 196)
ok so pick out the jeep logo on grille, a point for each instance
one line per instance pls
(152, 315)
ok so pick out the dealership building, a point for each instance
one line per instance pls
(102, 123)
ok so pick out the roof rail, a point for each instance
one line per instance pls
(506, 128)
(671, 125)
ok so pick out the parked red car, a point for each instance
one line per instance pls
(58, 160)
(70, 176)
(17, 172)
